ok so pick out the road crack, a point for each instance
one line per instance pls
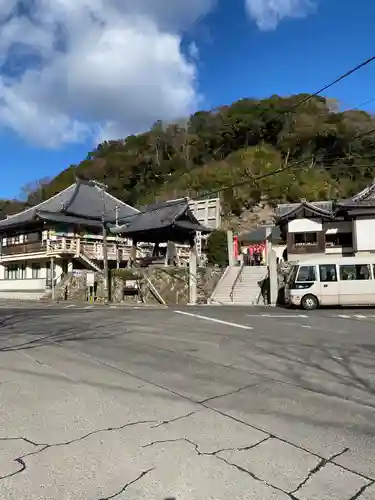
(124, 488)
(176, 419)
(23, 467)
(46, 446)
(229, 393)
(323, 462)
(362, 490)
(215, 454)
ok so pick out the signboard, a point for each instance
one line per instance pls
(90, 278)
(131, 284)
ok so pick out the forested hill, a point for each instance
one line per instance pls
(334, 153)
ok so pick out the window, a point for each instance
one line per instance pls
(35, 271)
(327, 273)
(305, 239)
(11, 272)
(355, 272)
(292, 274)
(339, 240)
(306, 273)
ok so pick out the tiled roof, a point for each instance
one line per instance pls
(258, 235)
(320, 208)
(160, 216)
(365, 198)
(80, 200)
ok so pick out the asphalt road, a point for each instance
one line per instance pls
(186, 403)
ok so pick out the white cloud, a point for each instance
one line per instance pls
(99, 67)
(193, 51)
(268, 13)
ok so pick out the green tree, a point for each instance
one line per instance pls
(217, 249)
(333, 153)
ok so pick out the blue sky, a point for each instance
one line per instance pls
(50, 122)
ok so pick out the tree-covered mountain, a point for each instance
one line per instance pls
(330, 153)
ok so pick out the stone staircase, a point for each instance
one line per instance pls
(246, 290)
(87, 258)
(239, 286)
(47, 296)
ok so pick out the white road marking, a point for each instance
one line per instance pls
(277, 315)
(306, 326)
(215, 320)
(355, 316)
(88, 307)
(70, 305)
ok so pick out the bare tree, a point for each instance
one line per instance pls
(33, 192)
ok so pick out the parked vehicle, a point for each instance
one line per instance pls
(331, 281)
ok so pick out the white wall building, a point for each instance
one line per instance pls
(346, 228)
(42, 245)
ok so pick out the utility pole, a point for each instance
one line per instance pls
(105, 260)
(52, 266)
(117, 241)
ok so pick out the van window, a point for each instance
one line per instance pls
(327, 273)
(355, 272)
(306, 273)
(292, 275)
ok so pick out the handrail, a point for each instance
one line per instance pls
(236, 280)
(154, 291)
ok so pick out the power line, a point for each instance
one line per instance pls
(244, 182)
(292, 108)
(339, 79)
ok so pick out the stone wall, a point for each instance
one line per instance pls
(72, 288)
(172, 283)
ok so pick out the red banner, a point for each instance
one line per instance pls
(235, 247)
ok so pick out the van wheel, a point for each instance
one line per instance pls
(309, 302)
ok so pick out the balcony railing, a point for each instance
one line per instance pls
(68, 245)
(30, 247)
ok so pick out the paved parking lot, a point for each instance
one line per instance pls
(189, 403)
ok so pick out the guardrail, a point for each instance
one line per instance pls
(236, 280)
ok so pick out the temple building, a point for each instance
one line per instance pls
(45, 243)
(344, 228)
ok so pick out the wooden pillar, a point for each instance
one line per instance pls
(133, 253)
(170, 256)
(193, 274)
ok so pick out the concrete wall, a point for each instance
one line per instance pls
(29, 283)
(304, 226)
(22, 285)
(19, 295)
(364, 230)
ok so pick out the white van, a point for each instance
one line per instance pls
(331, 281)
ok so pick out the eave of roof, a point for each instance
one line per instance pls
(82, 200)
(163, 218)
(305, 205)
(365, 198)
